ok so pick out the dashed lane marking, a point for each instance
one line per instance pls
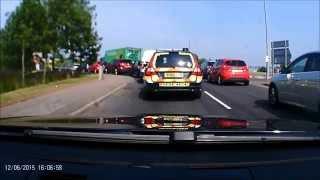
(217, 100)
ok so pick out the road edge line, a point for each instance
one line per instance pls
(218, 100)
(98, 100)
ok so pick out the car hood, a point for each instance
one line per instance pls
(160, 122)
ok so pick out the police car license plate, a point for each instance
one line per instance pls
(175, 124)
(173, 75)
(175, 84)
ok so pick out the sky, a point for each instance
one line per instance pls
(218, 29)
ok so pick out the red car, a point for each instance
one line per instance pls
(121, 66)
(94, 68)
(229, 70)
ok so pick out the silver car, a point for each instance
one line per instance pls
(298, 84)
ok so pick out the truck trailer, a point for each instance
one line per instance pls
(133, 54)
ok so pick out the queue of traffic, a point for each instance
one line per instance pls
(180, 70)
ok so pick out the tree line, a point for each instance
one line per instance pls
(50, 27)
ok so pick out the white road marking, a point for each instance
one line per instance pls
(83, 108)
(217, 100)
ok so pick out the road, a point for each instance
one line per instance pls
(122, 95)
(237, 101)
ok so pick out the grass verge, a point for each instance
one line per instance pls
(33, 91)
(257, 73)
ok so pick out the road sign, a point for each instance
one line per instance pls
(279, 44)
(267, 59)
(280, 52)
(281, 56)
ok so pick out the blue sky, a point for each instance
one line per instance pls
(232, 29)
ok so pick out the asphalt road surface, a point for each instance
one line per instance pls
(232, 100)
(122, 95)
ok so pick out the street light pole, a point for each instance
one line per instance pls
(1, 16)
(266, 30)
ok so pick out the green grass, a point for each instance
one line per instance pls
(258, 73)
(33, 91)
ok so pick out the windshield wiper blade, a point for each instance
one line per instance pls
(213, 138)
(100, 137)
(169, 137)
(263, 136)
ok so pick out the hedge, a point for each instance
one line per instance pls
(12, 80)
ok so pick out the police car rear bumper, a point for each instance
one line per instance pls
(193, 87)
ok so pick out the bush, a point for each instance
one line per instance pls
(12, 80)
(262, 69)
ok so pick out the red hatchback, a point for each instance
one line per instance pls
(229, 70)
(120, 66)
(94, 68)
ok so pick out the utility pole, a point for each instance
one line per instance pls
(267, 59)
(0, 17)
(44, 75)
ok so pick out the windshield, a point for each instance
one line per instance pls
(210, 63)
(168, 64)
(235, 63)
(174, 59)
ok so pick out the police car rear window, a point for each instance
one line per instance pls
(174, 59)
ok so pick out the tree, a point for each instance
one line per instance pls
(48, 26)
(25, 30)
(74, 30)
(262, 69)
(202, 60)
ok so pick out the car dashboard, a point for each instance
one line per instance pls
(64, 159)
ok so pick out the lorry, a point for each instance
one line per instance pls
(146, 55)
(139, 67)
(133, 54)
